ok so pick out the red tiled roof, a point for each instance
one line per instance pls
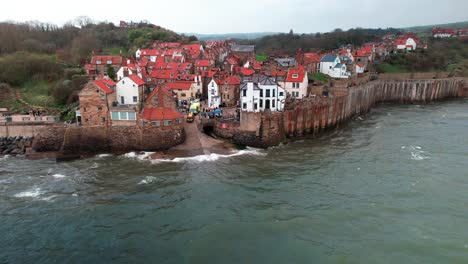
(160, 114)
(105, 85)
(202, 63)
(136, 79)
(232, 80)
(400, 42)
(157, 91)
(115, 60)
(300, 75)
(246, 71)
(178, 85)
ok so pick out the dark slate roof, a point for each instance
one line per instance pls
(244, 86)
(286, 62)
(263, 80)
(328, 58)
(243, 48)
(339, 65)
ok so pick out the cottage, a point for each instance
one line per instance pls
(214, 97)
(229, 90)
(130, 90)
(408, 44)
(183, 90)
(332, 66)
(94, 102)
(260, 94)
(296, 83)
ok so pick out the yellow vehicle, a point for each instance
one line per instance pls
(190, 117)
(195, 107)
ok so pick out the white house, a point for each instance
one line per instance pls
(405, 44)
(360, 68)
(138, 54)
(332, 66)
(121, 72)
(129, 90)
(214, 98)
(296, 83)
(260, 94)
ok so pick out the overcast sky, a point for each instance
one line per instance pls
(235, 16)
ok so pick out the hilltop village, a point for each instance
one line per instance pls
(160, 85)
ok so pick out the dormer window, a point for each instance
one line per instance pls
(109, 61)
(172, 75)
(187, 78)
(295, 75)
(98, 62)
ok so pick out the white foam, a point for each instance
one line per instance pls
(104, 155)
(142, 156)
(59, 176)
(30, 193)
(213, 156)
(418, 156)
(5, 157)
(147, 180)
(48, 198)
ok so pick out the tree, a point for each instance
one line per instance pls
(111, 72)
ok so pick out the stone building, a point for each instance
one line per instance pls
(230, 90)
(94, 102)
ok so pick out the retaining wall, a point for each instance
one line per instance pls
(312, 116)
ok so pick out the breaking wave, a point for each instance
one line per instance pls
(30, 193)
(417, 153)
(213, 156)
(104, 155)
(147, 180)
(59, 176)
(140, 156)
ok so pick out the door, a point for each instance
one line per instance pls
(267, 104)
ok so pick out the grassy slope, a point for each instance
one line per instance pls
(38, 94)
(428, 28)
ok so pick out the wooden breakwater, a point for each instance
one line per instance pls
(311, 116)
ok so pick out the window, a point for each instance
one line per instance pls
(261, 103)
(255, 106)
(267, 92)
(98, 62)
(273, 103)
(274, 93)
(297, 85)
(183, 95)
(244, 93)
(228, 96)
(123, 115)
(330, 67)
(131, 116)
(212, 84)
(244, 106)
(115, 115)
(212, 91)
(26, 119)
(281, 94)
(167, 122)
(156, 123)
(84, 109)
(225, 89)
(135, 99)
(295, 75)
(103, 119)
(261, 93)
(122, 100)
(123, 82)
(109, 61)
(99, 108)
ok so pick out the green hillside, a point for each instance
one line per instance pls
(428, 28)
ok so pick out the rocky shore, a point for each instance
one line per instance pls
(15, 145)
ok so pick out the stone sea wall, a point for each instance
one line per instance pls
(75, 141)
(15, 145)
(311, 116)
